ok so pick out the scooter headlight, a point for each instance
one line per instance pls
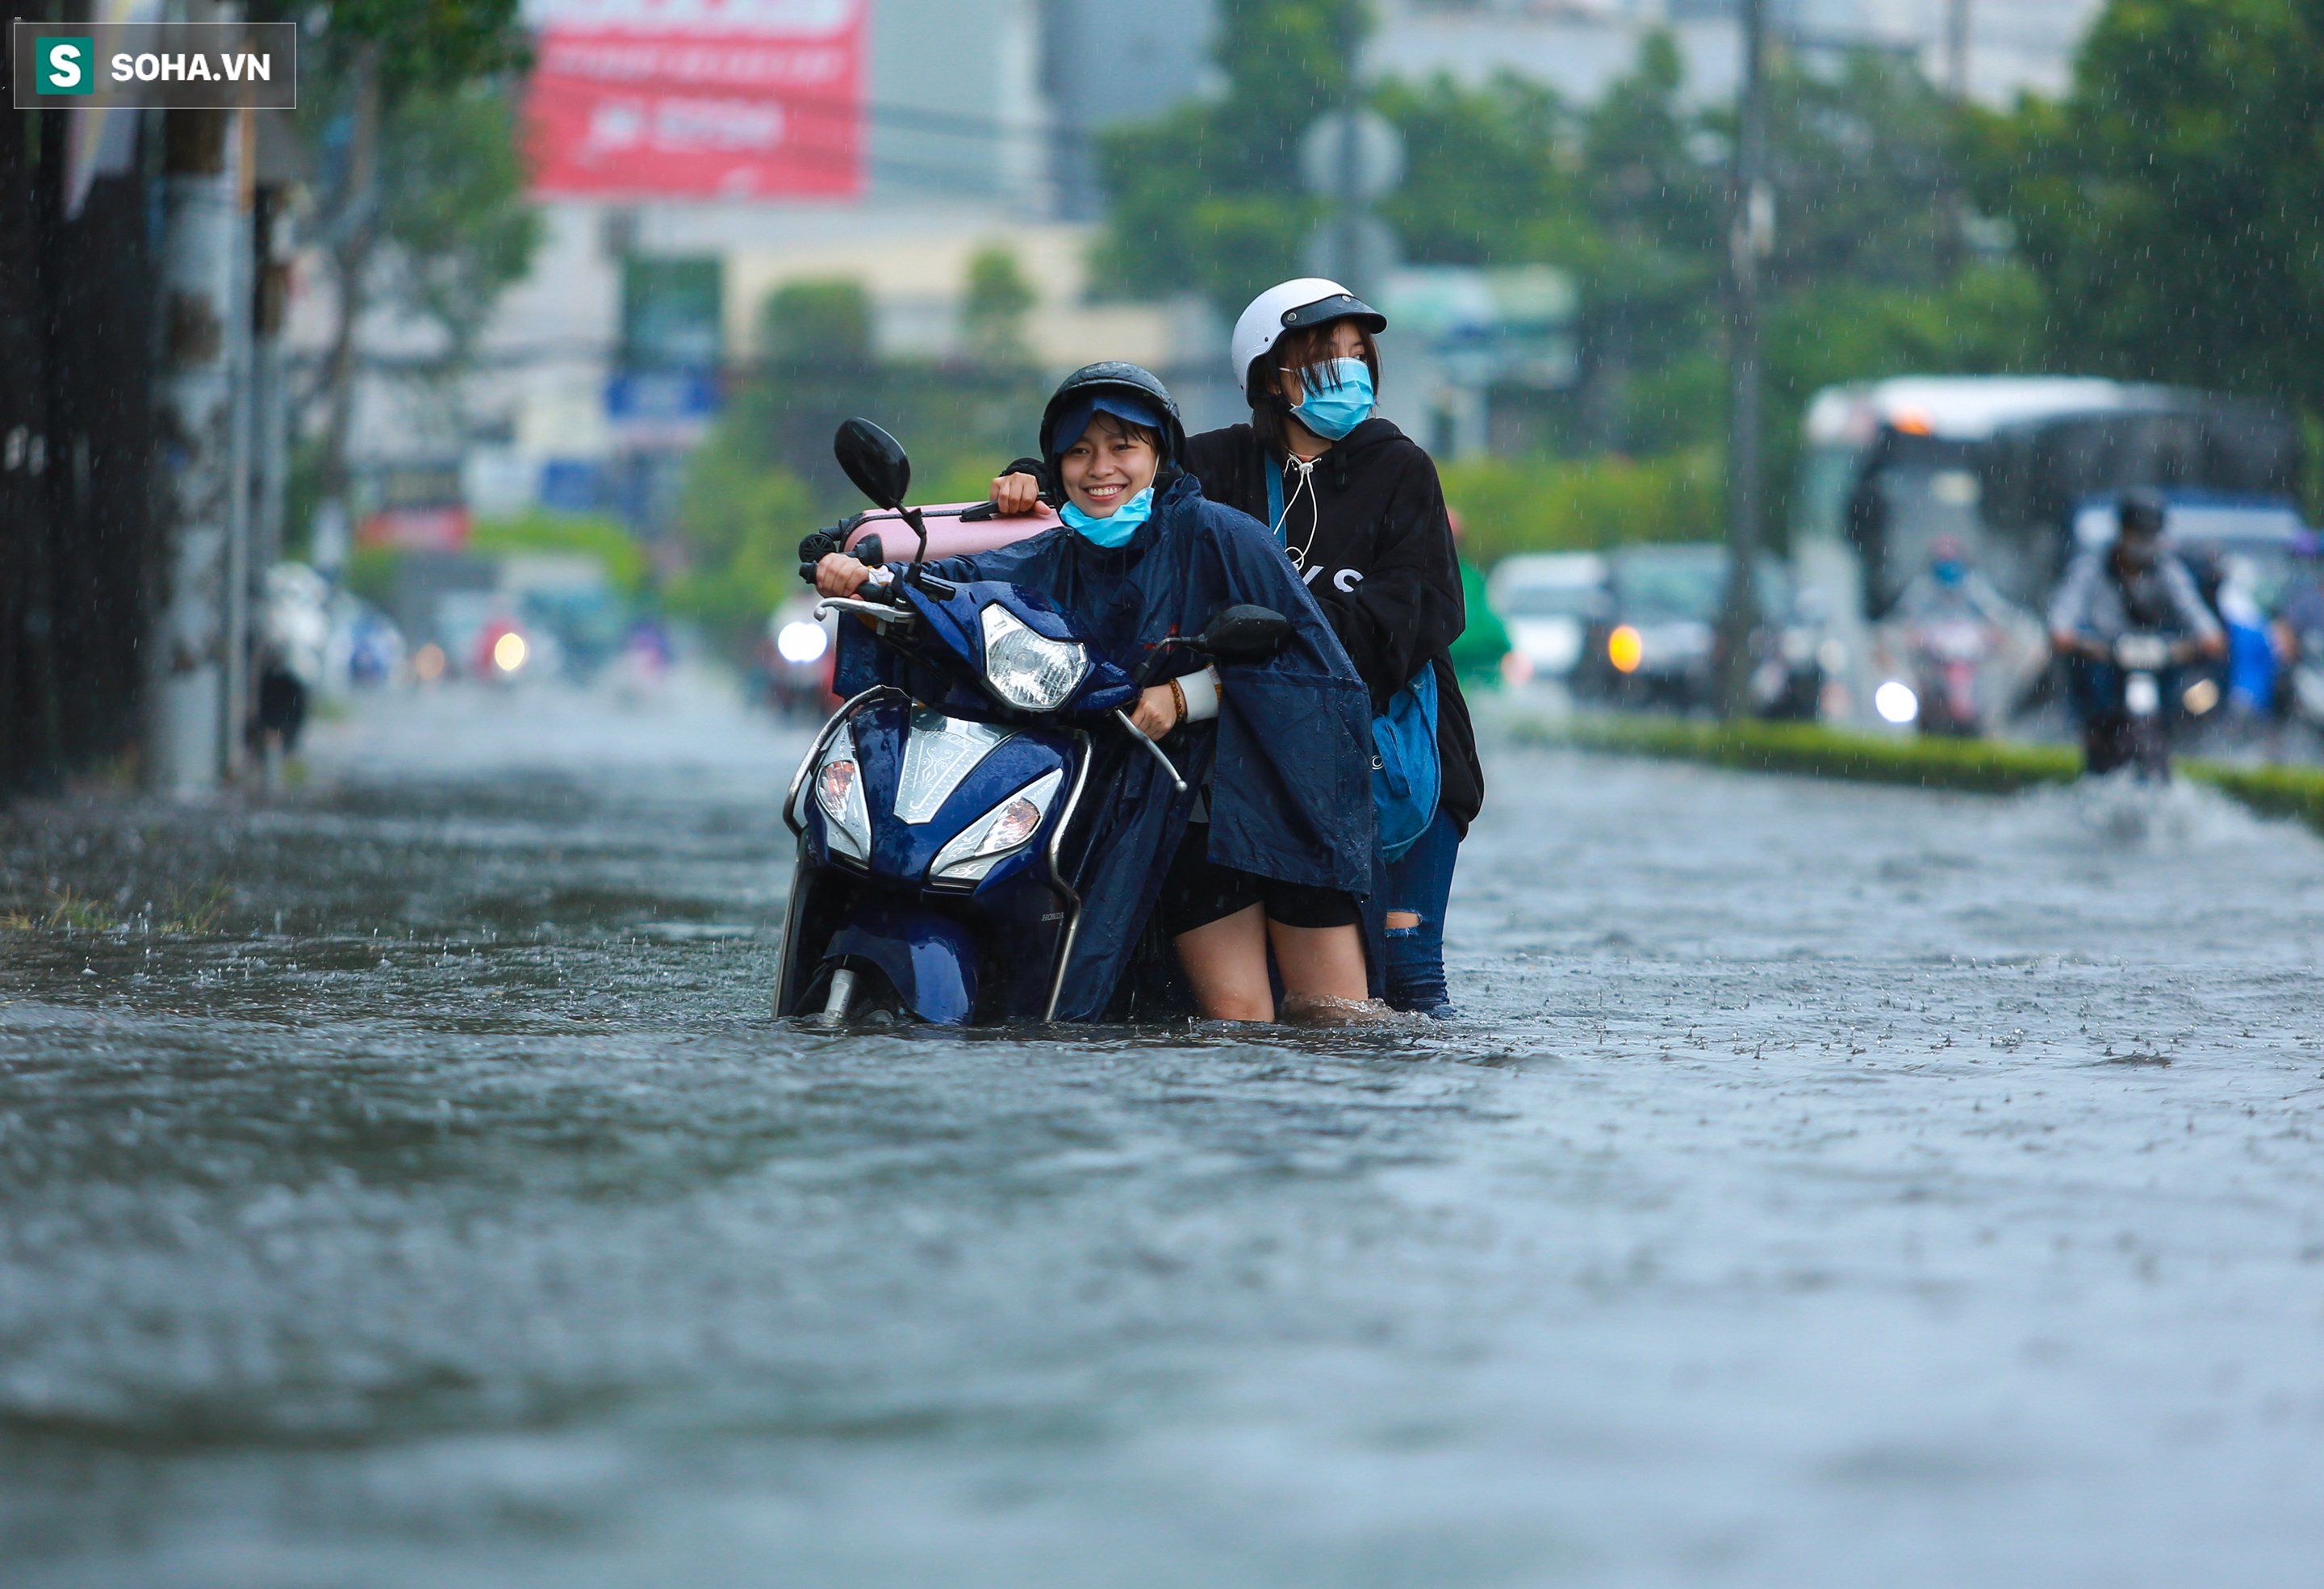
(839, 791)
(1029, 671)
(997, 835)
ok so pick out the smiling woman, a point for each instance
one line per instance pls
(1267, 840)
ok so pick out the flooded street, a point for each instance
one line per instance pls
(401, 1183)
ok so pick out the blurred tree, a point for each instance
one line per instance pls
(765, 476)
(453, 210)
(1576, 504)
(992, 312)
(1861, 158)
(364, 61)
(416, 46)
(1209, 196)
(817, 370)
(738, 520)
(1482, 182)
(823, 328)
(1648, 254)
(2172, 204)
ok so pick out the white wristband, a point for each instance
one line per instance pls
(1202, 692)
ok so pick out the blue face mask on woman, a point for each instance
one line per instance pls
(1115, 529)
(1337, 410)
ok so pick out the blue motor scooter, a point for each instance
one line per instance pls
(935, 814)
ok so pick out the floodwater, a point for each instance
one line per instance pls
(1826, 1185)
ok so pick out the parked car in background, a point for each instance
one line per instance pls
(1547, 601)
(1653, 643)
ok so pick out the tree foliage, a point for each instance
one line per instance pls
(993, 313)
(1209, 196)
(740, 521)
(1629, 194)
(2173, 204)
(453, 209)
(423, 46)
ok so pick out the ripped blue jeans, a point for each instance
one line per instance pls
(1422, 883)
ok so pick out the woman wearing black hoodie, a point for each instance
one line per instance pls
(1357, 507)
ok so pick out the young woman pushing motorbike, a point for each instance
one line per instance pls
(1271, 841)
(1356, 506)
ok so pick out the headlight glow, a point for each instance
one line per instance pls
(509, 651)
(839, 791)
(1625, 649)
(1029, 671)
(1000, 833)
(802, 641)
(1895, 702)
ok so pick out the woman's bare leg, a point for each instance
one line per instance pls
(1226, 960)
(1319, 962)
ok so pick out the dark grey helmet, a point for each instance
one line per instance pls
(2140, 512)
(1113, 378)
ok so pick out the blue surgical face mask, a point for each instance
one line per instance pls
(1116, 528)
(1335, 410)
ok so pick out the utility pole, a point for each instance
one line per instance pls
(356, 225)
(1749, 232)
(193, 652)
(1951, 209)
(1352, 197)
(1957, 50)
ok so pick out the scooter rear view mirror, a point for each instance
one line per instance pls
(874, 460)
(1244, 632)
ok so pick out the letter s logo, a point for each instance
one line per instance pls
(1347, 580)
(64, 66)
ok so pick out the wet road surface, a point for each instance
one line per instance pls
(401, 1183)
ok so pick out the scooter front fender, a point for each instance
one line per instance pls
(931, 961)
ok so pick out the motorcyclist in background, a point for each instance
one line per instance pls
(2127, 587)
(1954, 622)
(1951, 588)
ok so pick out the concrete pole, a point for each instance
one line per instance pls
(241, 364)
(191, 650)
(270, 458)
(351, 260)
(1957, 50)
(1348, 253)
(1750, 222)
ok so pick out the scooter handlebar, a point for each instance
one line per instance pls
(878, 612)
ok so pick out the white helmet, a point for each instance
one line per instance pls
(1310, 300)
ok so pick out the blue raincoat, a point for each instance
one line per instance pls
(1288, 759)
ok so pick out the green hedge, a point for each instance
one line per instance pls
(1983, 766)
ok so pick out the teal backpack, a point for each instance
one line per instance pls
(1407, 775)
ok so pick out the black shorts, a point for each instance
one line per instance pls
(1198, 892)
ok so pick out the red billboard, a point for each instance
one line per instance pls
(697, 99)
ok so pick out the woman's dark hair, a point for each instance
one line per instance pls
(1307, 348)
